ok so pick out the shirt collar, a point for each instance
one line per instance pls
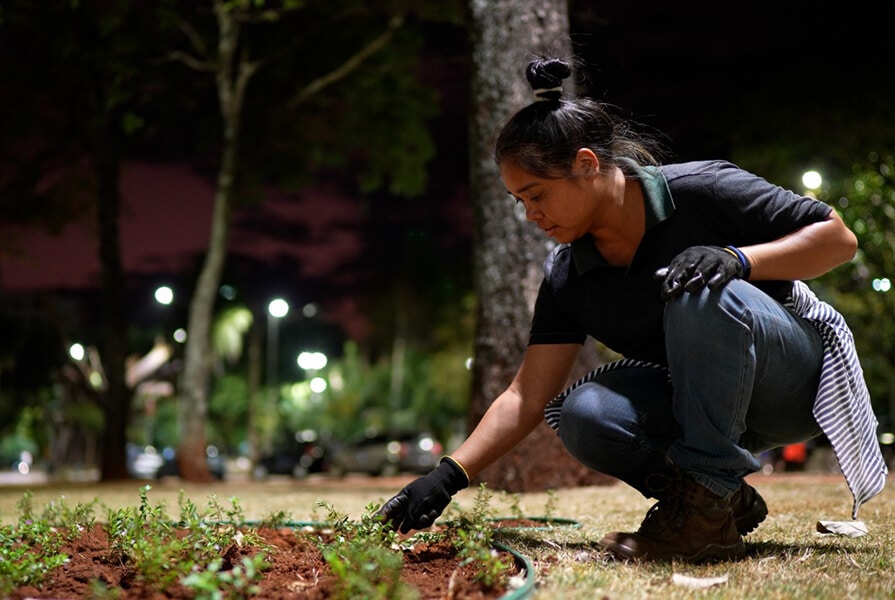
(658, 206)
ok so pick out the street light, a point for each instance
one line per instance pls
(77, 352)
(312, 361)
(164, 295)
(276, 310)
(812, 180)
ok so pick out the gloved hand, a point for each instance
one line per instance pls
(697, 267)
(423, 500)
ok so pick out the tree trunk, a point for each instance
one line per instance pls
(232, 78)
(509, 252)
(253, 380)
(116, 398)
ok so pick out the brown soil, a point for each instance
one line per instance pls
(297, 571)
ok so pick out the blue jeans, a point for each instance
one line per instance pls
(744, 372)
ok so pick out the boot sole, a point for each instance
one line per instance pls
(747, 522)
(712, 552)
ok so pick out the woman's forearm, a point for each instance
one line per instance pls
(803, 254)
(505, 424)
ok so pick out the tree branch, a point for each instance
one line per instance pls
(349, 65)
(191, 61)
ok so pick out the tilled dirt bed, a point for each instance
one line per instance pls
(297, 570)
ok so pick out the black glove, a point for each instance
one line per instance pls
(423, 500)
(700, 266)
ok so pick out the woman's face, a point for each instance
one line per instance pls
(562, 208)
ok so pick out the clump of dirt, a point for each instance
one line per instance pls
(297, 571)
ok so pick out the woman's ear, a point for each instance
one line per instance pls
(586, 163)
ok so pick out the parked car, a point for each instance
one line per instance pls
(301, 455)
(143, 462)
(385, 454)
(169, 468)
(419, 453)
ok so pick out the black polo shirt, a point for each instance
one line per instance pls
(711, 203)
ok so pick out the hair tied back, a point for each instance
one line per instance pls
(545, 75)
(548, 94)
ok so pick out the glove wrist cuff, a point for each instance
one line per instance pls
(744, 262)
(457, 467)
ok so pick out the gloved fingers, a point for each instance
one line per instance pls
(425, 513)
(406, 526)
(695, 283)
(426, 519)
(393, 512)
(718, 280)
(671, 288)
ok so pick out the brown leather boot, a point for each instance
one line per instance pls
(691, 524)
(749, 508)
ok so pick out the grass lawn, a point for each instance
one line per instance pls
(786, 559)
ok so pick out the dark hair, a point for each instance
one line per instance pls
(544, 137)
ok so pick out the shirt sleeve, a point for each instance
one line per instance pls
(760, 211)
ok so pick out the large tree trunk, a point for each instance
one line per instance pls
(509, 251)
(234, 73)
(116, 399)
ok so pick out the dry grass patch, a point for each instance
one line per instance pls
(786, 557)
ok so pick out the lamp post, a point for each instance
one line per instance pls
(276, 310)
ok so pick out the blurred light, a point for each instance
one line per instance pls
(180, 335)
(883, 284)
(96, 380)
(278, 308)
(227, 292)
(306, 435)
(469, 363)
(887, 438)
(164, 295)
(812, 180)
(335, 381)
(318, 385)
(426, 443)
(76, 351)
(312, 361)
(309, 310)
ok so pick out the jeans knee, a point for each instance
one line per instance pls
(589, 431)
(691, 316)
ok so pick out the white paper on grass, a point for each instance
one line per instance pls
(846, 528)
(697, 583)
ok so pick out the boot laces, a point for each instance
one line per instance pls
(672, 510)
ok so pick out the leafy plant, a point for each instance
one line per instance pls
(142, 537)
(550, 505)
(19, 563)
(514, 508)
(474, 539)
(146, 539)
(365, 557)
(276, 519)
(239, 582)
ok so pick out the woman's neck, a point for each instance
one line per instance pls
(622, 222)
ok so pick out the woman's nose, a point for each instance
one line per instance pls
(531, 211)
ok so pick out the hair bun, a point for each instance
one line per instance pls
(545, 76)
